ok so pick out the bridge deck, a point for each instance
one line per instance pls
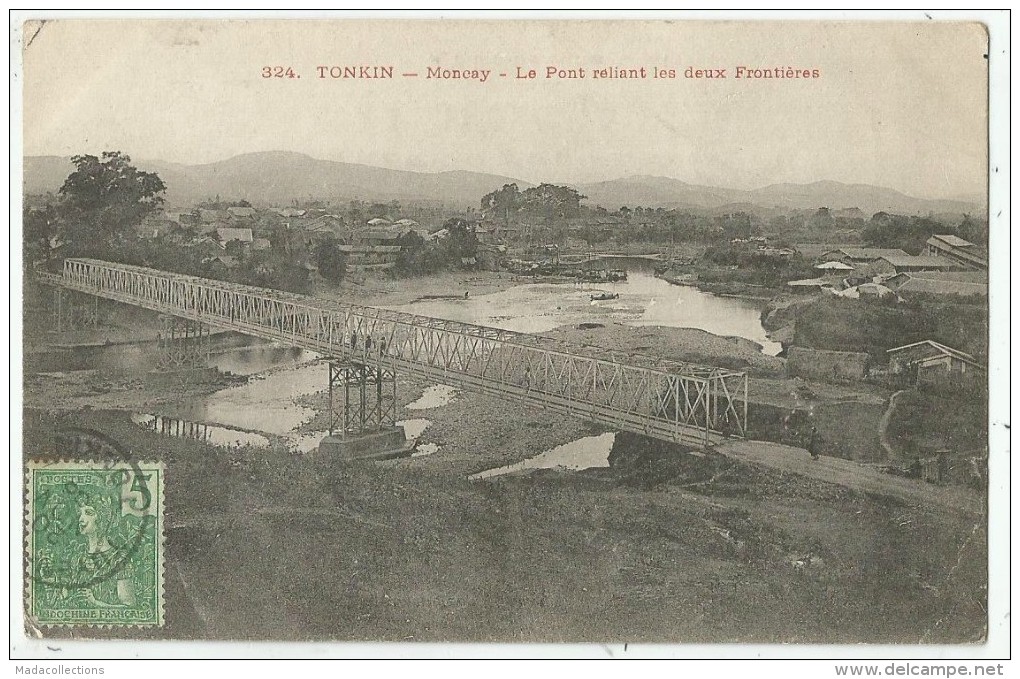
(668, 400)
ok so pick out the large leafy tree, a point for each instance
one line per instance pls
(552, 201)
(104, 199)
(331, 262)
(503, 203)
(461, 243)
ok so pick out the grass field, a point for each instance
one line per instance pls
(680, 549)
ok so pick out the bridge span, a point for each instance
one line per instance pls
(666, 400)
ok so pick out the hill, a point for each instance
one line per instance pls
(280, 177)
(671, 193)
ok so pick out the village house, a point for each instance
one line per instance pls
(958, 250)
(857, 257)
(241, 213)
(207, 216)
(322, 224)
(183, 217)
(235, 239)
(376, 237)
(946, 283)
(380, 256)
(928, 362)
(890, 265)
(834, 268)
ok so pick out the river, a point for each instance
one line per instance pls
(643, 300)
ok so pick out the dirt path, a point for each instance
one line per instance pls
(851, 475)
(883, 426)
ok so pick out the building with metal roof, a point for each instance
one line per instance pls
(957, 249)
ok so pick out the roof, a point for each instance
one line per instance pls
(405, 222)
(263, 244)
(241, 211)
(379, 221)
(940, 348)
(383, 249)
(909, 262)
(810, 282)
(228, 234)
(962, 276)
(835, 266)
(955, 241)
(812, 250)
(226, 260)
(942, 282)
(873, 289)
(320, 223)
(376, 234)
(207, 215)
(868, 253)
(959, 247)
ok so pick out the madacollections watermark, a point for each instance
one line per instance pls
(37, 670)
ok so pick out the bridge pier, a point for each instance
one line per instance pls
(74, 310)
(182, 345)
(362, 411)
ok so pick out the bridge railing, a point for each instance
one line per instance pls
(674, 401)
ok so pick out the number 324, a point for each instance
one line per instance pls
(278, 72)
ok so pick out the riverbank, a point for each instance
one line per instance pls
(379, 289)
(80, 390)
(680, 344)
(262, 545)
(472, 431)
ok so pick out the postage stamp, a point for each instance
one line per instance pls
(94, 543)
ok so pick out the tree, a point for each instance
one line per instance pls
(552, 201)
(331, 262)
(461, 244)
(104, 199)
(503, 202)
(40, 228)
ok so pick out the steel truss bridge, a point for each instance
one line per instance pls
(662, 399)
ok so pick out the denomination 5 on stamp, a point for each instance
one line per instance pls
(94, 544)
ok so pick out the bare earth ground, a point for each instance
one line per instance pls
(379, 290)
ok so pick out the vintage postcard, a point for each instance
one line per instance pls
(494, 330)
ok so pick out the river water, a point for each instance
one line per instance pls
(280, 376)
(643, 300)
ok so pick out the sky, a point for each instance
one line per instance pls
(902, 105)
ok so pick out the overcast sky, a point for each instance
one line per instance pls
(898, 105)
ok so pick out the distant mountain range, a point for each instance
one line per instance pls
(280, 177)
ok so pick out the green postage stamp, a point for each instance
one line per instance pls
(94, 544)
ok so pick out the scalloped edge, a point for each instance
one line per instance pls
(88, 465)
